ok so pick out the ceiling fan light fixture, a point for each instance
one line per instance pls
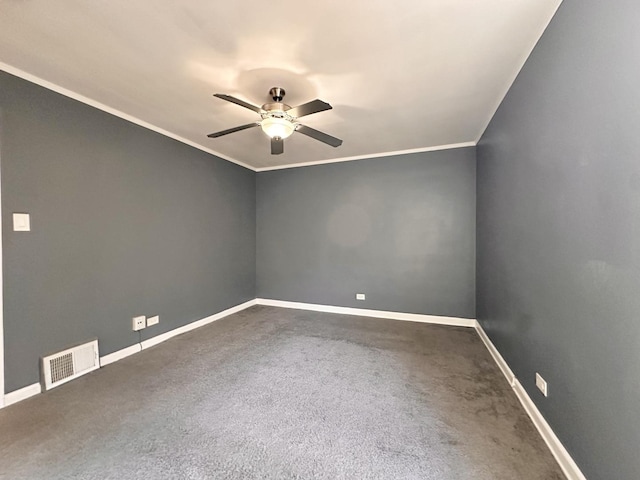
(277, 127)
(279, 120)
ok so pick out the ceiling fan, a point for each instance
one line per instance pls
(279, 120)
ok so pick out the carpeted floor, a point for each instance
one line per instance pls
(273, 393)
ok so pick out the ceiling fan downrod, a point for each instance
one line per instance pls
(277, 94)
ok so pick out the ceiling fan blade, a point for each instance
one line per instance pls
(277, 146)
(232, 130)
(237, 101)
(313, 106)
(318, 135)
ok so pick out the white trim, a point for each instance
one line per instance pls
(370, 155)
(408, 317)
(105, 108)
(100, 106)
(197, 324)
(504, 366)
(120, 354)
(22, 394)
(562, 456)
(567, 464)
(36, 388)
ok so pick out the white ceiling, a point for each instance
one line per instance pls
(412, 75)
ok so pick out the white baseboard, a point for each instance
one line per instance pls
(22, 394)
(504, 366)
(409, 317)
(31, 390)
(560, 453)
(567, 464)
(197, 324)
(562, 456)
(120, 354)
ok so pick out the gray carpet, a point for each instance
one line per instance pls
(273, 393)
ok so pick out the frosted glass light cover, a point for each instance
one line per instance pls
(277, 127)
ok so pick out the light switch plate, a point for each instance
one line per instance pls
(21, 222)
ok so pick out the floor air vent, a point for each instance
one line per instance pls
(63, 366)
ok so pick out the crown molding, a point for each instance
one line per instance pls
(130, 118)
(369, 155)
(105, 108)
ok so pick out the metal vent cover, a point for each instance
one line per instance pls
(63, 366)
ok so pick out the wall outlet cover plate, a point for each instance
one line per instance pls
(542, 385)
(139, 323)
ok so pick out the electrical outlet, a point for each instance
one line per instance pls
(542, 385)
(360, 296)
(139, 323)
(153, 320)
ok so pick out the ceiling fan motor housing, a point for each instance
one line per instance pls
(278, 110)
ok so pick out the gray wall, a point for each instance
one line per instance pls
(399, 229)
(559, 231)
(124, 222)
